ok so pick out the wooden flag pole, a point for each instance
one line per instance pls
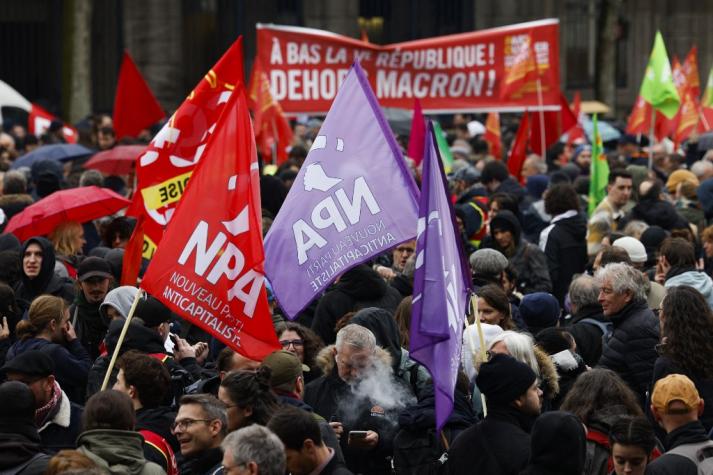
(124, 329)
(481, 338)
(542, 118)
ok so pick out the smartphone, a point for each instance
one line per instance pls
(357, 434)
(173, 338)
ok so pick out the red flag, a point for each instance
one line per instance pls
(135, 107)
(492, 135)
(690, 71)
(577, 131)
(271, 125)
(417, 138)
(567, 117)
(163, 170)
(551, 130)
(134, 248)
(688, 115)
(520, 65)
(209, 268)
(640, 117)
(39, 122)
(518, 150)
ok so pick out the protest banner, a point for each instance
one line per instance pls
(466, 71)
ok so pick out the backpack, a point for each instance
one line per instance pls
(607, 328)
(420, 452)
(700, 453)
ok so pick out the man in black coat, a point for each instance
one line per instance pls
(631, 350)
(306, 452)
(94, 275)
(588, 325)
(676, 406)
(501, 442)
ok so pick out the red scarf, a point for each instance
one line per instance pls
(43, 412)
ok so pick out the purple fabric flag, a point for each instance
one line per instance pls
(352, 200)
(441, 285)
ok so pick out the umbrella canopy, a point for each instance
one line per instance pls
(116, 161)
(705, 141)
(60, 152)
(75, 204)
(9, 97)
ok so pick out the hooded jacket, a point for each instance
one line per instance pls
(565, 247)
(527, 259)
(120, 299)
(383, 326)
(117, 452)
(358, 288)
(46, 282)
(696, 279)
(558, 445)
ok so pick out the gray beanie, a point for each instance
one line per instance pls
(488, 261)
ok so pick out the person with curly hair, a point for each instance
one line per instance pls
(304, 343)
(248, 397)
(598, 398)
(687, 343)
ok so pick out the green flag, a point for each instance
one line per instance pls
(658, 88)
(446, 154)
(598, 171)
(707, 100)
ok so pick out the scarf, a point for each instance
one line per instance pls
(43, 413)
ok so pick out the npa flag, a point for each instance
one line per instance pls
(352, 200)
(598, 170)
(640, 118)
(135, 107)
(518, 149)
(272, 130)
(520, 66)
(657, 87)
(163, 170)
(39, 121)
(440, 287)
(418, 134)
(209, 267)
(492, 135)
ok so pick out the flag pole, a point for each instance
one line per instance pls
(124, 329)
(651, 139)
(542, 117)
(481, 338)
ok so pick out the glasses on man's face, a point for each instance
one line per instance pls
(186, 423)
(295, 343)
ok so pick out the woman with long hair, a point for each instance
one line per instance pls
(686, 325)
(304, 343)
(598, 398)
(494, 307)
(68, 241)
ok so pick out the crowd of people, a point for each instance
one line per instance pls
(592, 354)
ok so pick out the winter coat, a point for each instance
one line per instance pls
(588, 336)
(117, 452)
(565, 246)
(631, 350)
(500, 444)
(558, 445)
(157, 420)
(673, 464)
(21, 453)
(383, 326)
(665, 365)
(46, 282)
(358, 288)
(71, 363)
(208, 462)
(693, 278)
(569, 366)
(120, 299)
(335, 400)
(62, 427)
(88, 323)
(549, 379)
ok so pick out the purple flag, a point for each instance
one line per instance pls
(441, 285)
(352, 200)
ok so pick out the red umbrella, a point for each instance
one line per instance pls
(75, 204)
(116, 161)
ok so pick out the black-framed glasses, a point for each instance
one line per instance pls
(295, 343)
(186, 423)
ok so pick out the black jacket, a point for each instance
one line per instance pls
(62, 427)
(500, 444)
(208, 462)
(20, 451)
(665, 366)
(358, 288)
(587, 335)
(89, 324)
(566, 251)
(558, 445)
(673, 464)
(631, 350)
(335, 467)
(158, 420)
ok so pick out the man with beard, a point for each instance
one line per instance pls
(94, 276)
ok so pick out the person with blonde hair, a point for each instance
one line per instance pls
(68, 241)
(49, 330)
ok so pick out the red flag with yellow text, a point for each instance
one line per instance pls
(272, 130)
(492, 135)
(209, 267)
(163, 170)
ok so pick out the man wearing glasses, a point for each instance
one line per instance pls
(200, 426)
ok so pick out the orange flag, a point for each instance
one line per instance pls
(492, 135)
(518, 150)
(522, 68)
(272, 130)
(688, 116)
(690, 71)
(640, 117)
